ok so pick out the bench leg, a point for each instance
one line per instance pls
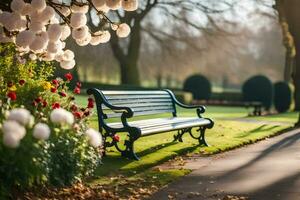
(201, 139)
(178, 135)
(129, 151)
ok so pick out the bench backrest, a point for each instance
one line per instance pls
(141, 102)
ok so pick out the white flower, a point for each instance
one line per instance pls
(27, 10)
(41, 131)
(130, 5)
(61, 116)
(105, 36)
(4, 17)
(54, 47)
(113, 4)
(54, 32)
(95, 40)
(17, 5)
(20, 115)
(80, 33)
(48, 56)
(123, 30)
(78, 20)
(65, 11)
(32, 56)
(85, 41)
(25, 38)
(80, 9)
(38, 5)
(68, 55)
(37, 27)
(47, 14)
(66, 32)
(11, 140)
(39, 43)
(94, 137)
(67, 64)
(12, 21)
(98, 3)
(14, 128)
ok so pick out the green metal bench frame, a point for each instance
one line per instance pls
(106, 100)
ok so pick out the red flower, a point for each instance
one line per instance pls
(53, 90)
(55, 82)
(87, 113)
(22, 82)
(34, 103)
(38, 100)
(45, 104)
(10, 84)
(77, 90)
(116, 138)
(62, 94)
(91, 104)
(68, 76)
(73, 108)
(55, 105)
(12, 96)
(78, 84)
(77, 115)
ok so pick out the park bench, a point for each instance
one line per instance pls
(127, 105)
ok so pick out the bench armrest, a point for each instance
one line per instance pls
(200, 109)
(126, 111)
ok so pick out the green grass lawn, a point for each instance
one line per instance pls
(159, 148)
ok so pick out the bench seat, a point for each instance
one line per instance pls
(151, 126)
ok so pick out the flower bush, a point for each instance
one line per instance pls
(44, 135)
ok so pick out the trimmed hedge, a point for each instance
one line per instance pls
(258, 88)
(282, 96)
(199, 86)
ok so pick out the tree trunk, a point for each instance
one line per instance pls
(288, 68)
(296, 79)
(128, 58)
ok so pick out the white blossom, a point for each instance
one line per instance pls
(68, 55)
(98, 3)
(54, 47)
(130, 5)
(17, 5)
(94, 137)
(67, 64)
(113, 4)
(65, 11)
(66, 32)
(48, 56)
(27, 9)
(25, 38)
(39, 43)
(85, 41)
(41, 131)
(80, 9)
(11, 140)
(61, 116)
(78, 20)
(95, 40)
(4, 17)
(37, 27)
(38, 5)
(10, 127)
(80, 33)
(123, 30)
(32, 56)
(54, 32)
(47, 14)
(20, 115)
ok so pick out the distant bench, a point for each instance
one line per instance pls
(126, 105)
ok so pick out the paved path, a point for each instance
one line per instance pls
(268, 170)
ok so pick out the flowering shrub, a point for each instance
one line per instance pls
(44, 137)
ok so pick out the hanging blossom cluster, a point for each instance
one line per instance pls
(39, 28)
